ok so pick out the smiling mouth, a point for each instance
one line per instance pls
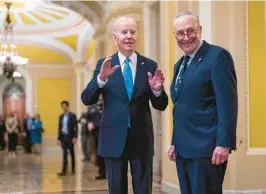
(188, 44)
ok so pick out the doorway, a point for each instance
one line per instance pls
(14, 101)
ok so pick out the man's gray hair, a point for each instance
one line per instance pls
(121, 19)
(186, 13)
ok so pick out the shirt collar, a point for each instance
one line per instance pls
(122, 58)
(195, 52)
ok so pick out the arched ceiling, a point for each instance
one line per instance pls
(45, 26)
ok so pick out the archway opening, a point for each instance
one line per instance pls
(13, 97)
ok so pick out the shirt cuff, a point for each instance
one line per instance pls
(101, 83)
(157, 93)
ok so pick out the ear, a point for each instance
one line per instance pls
(200, 29)
(199, 32)
(114, 37)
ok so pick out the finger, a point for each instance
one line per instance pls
(149, 75)
(108, 58)
(173, 157)
(224, 157)
(218, 159)
(158, 72)
(107, 62)
(115, 67)
(163, 80)
(213, 157)
(159, 78)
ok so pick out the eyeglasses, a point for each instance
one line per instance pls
(191, 33)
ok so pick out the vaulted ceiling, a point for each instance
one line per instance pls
(53, 31)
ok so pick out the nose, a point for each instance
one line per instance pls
(129, 35)
(186, 37)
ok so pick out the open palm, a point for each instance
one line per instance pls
(107, 69)
(156, 81)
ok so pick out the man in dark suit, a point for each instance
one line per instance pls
(94, 116)
(127, 81)
(27, 126)
(204, 93)
(2, 133)
(67, 136)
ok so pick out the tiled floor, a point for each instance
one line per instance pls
(37, 174)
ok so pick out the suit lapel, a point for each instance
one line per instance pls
(195, 63)
(119, 76)
(139, 76)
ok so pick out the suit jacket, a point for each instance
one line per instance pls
(25, 125)
(72, 126)
(118, 107)
(205, 106)
(94, 114)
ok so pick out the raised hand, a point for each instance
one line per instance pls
(156, 81)
(106, 69)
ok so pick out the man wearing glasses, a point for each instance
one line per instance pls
(204, 94)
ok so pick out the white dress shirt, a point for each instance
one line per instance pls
(65, 122)
(192, 55)
(133, 65)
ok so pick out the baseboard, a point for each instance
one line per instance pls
(169, 188)
(256, 151)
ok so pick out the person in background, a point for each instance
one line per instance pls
(36, 134)
(12, 131)
(27, 126)
(2, 133)
(94, 115)
(67, 136)
(85, 141)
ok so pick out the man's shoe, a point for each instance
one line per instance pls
(63, 173)
(99, 177)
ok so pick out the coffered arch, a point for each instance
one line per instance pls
(93, 11)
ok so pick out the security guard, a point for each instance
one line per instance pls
(94, 117)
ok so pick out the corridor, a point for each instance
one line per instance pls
(37, 174)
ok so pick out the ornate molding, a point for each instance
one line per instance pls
(136, 8)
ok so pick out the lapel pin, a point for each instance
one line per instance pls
(142, 63)
(199, 60)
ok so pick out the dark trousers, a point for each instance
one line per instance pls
(27, 143)
(100, 159)
(67, 145)
(2, 140)
(101, 165)
(85, 142)
(141, 171)
(12, 142)
(200, 176)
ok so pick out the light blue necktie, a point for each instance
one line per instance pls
(128, 79)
